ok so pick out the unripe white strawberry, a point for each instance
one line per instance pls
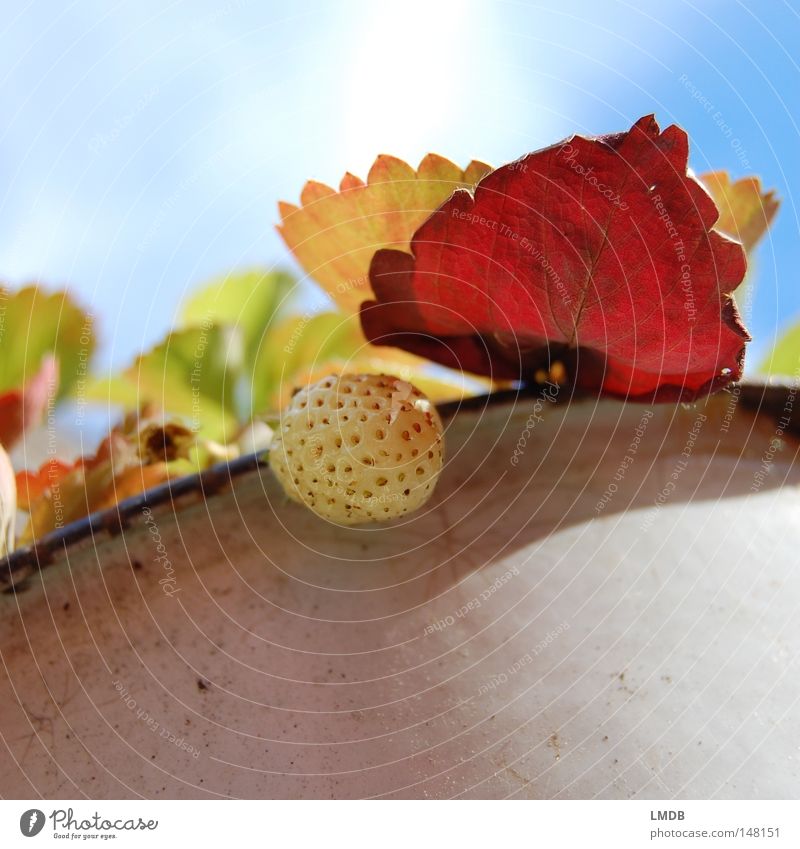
(359, 448)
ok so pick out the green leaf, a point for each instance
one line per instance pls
(306, 348)
(785, 356)
(248, 301)
(299, 346)
(35, 323)
(114, 389)
(200, 370)
(192, 373)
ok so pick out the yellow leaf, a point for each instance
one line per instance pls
(784, 359)
(334, 235)
(745, 210)
(36, 325)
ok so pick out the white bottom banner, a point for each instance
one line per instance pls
(391, 824)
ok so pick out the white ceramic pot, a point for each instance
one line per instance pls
(612, 614)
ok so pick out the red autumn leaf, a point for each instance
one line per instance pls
(32, 486)
(596, 253)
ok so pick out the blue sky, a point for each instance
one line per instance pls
(145, 144)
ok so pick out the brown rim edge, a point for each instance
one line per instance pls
(776, 400)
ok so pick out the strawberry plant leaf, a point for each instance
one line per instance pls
(596, 253)
(333, 235)
(237, 356)
(248, 301)
(303, 349)
(192, 373)
(746, 211)
(784, 359)
(36, 324)
(123, 465)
